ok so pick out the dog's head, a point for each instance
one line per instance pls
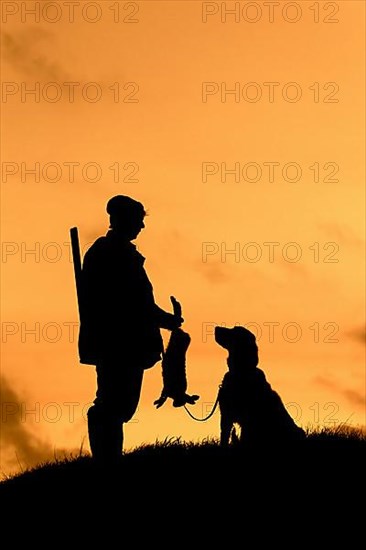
(240, 343)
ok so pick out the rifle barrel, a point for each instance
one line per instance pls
(75, 247)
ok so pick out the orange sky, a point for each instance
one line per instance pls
(168, 134)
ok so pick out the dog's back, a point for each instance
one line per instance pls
(247, 398)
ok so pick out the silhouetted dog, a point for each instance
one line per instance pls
(245, 396)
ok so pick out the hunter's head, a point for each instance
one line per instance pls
(126, 216)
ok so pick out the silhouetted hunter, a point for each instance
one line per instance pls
(120, 325)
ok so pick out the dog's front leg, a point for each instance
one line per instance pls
(226, 425)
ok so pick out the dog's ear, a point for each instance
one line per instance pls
(244, 332)
(244, 337)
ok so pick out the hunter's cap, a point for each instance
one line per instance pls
(121, 205)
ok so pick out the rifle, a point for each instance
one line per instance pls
(75, 247)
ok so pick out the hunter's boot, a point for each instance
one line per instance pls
(105, 436)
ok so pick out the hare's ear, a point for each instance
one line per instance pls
(177, 308)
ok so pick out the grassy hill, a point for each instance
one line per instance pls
(183, 481)
(324, 450)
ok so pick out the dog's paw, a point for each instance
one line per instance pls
(235, 440)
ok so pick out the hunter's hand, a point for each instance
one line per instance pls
(173, 321)
(177, 309)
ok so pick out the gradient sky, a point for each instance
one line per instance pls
(165, 136)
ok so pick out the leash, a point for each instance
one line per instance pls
(210, 414)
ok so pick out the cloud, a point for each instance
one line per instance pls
(358, 334)
(18, 444)
(25, 52)
(214, 273)
(353, 396)
(343, 234)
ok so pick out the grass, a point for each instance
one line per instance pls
(339, 443)
(173, 485)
